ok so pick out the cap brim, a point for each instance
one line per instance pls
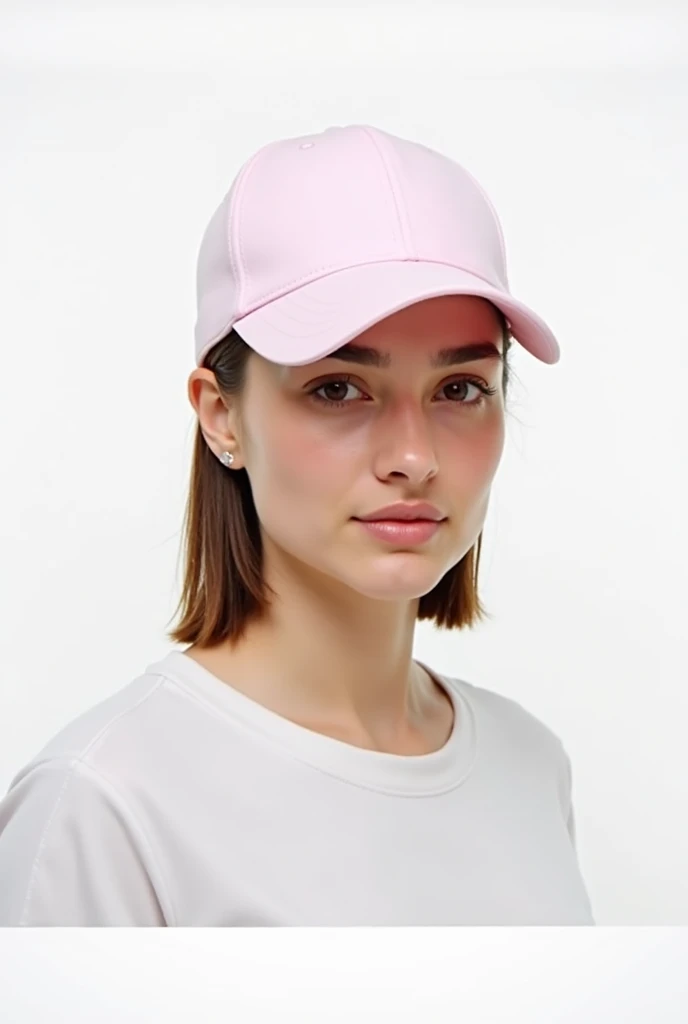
(312, 321)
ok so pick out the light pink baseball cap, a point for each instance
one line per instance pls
(321, 236)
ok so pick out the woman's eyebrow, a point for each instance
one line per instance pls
(453, 356)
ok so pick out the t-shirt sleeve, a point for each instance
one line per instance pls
(71, 853)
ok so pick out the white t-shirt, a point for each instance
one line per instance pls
(180, 801)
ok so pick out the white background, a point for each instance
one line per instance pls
(341, 975)
(122, 127)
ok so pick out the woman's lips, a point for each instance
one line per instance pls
(395, 531)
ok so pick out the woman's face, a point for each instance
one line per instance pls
(335, 440)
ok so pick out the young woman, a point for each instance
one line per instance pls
(294, 765)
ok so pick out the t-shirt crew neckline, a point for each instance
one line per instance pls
(400, 774)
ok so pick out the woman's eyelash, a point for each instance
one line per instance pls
(338, 403)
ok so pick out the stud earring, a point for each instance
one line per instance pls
(226, 458)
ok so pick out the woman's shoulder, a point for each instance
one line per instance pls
(113, 731)
(72, 847)
(503, 716)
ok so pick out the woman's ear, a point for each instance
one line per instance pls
(217, 416)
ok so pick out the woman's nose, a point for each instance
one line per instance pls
(405, 448)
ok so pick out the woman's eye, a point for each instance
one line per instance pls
(455, 391)
(335, 392)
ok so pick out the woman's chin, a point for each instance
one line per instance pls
(397, 586)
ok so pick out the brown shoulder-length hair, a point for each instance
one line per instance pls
(223, 587)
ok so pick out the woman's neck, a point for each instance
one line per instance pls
(340, 664)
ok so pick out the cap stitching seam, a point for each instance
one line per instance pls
(395, 190)
(329, 270)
